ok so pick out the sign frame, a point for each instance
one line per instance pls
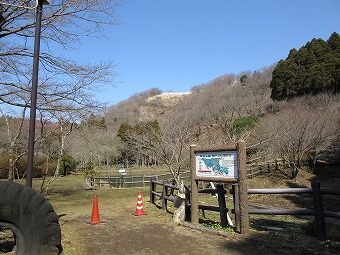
(194, 150)
(217, 164)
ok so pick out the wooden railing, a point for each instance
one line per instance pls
(318, 212)
(264, 167)
(126, 181)
(167, 195)
(164, 194)
(316, 191)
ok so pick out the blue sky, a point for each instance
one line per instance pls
(177, 44)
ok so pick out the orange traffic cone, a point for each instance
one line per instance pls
(139, 209)
(95, 212)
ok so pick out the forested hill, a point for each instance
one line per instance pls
(249, 106)
(157, 128)
(290, 111)
(311, 70)
(203, 103)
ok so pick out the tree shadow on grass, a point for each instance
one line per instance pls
(276, 242)
(329, 178)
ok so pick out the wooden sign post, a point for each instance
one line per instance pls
(243, 189)
(220, 165)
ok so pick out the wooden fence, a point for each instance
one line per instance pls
(264, 167)
(318, 212)
(126, 181)
(166, 194)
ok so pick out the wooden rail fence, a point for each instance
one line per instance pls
(165, 195)
(126, 181)
(264, 167)
(316, 191)
(318, 212)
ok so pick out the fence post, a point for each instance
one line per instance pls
(92, 180)
(122, 183)
(222, 205)
(252, 172)
(152, 188)
(236, 200)
(187, 203)
(194, 187)
(243, 189)
(165, 191)
(318, 208)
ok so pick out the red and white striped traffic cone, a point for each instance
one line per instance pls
(139, 209)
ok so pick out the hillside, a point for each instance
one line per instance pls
(230, 108)
(157, 105)
(204, 100)
(153, 127)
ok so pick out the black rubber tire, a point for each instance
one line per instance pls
(31, 218)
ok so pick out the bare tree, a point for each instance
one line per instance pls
(15, 128)
(92, 144)
(64, 24)
(65, 87)
(299, 133)
(168, 142)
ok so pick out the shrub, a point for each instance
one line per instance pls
(245, 123)
(48, 168)
(90, 169)
(67, 165)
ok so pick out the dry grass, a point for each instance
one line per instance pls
(73, 202)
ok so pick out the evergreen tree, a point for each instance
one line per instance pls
(314, 68)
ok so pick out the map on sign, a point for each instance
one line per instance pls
(217, 164)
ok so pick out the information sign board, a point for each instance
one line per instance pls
(217, 164)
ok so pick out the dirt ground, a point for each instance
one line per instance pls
(137, 235)
(125, 233)
(156, 233)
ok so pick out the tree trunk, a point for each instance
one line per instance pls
(11, 169)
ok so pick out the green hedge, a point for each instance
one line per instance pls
(41, 166)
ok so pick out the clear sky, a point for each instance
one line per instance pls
(177, 44)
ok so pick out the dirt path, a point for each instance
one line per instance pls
(151, 234)
(156, 233)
